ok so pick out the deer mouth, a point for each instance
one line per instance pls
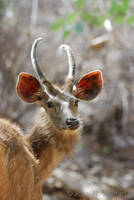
(74, 127)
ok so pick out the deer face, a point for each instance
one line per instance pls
(62, 111)
(60, 105)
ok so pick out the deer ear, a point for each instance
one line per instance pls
(28, 88)
(89, 86)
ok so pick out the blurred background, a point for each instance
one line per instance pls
(101, 34)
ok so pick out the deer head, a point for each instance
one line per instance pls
(60, 105)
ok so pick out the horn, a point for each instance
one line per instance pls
(72, 68)
(36, 67)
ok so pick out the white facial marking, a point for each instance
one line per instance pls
(67, 111)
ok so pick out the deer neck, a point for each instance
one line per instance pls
(49, 145)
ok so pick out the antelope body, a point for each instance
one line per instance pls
(26, 161)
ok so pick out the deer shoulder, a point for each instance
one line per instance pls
(17, 163)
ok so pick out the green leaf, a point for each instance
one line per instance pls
(118, 19)
(130, 20)
(119, 8)
(101, 20)
(80, 3)
(124, 8)
(86, 16)
(126, 1)
(79, 28)
(94, 20)
(71, 17)
(66, 31)
(57, 24)
(114, 7)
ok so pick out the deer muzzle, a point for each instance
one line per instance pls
(72, 123)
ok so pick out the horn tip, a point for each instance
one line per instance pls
(65, 47)
(39, 38)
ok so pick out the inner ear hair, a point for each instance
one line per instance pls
(69, 85)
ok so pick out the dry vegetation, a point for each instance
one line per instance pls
(103, 167)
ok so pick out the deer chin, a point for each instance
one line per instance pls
(71, 132)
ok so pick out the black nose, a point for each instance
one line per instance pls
(72, 123)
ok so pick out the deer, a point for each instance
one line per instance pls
(27, 160)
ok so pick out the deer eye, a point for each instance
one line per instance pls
(50, 104)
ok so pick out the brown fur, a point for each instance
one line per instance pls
(27, 161)
(49, 144)
(69, 85)
(18, 167)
